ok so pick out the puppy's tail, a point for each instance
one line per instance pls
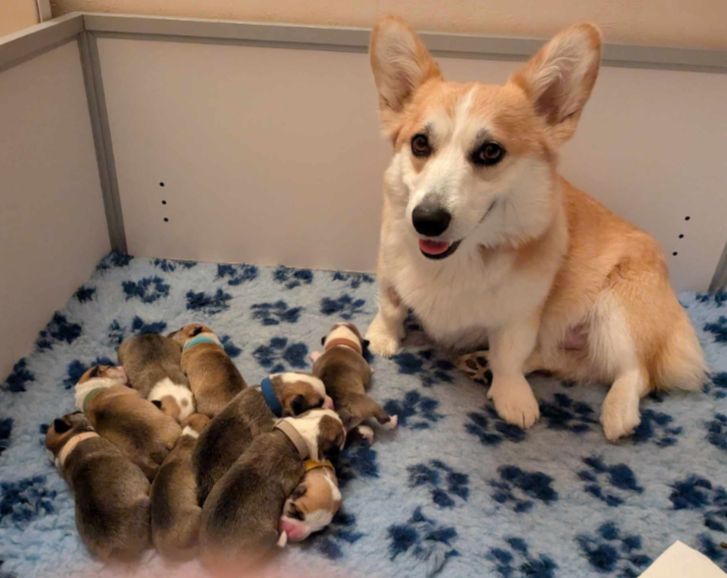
(680, 363)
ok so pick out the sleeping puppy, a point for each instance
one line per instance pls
(212, 375)
(240, 519)
(118, 413)
(112, 494)
(344, 371)
(174, 510)
(153, 365)
(313, 503)
(252, 412)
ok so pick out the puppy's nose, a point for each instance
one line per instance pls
(430, 219)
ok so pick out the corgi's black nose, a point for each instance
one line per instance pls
(430, 219)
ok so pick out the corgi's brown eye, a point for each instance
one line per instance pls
(420, 146)
(488, 154)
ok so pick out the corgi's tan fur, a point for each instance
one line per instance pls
(523, 260)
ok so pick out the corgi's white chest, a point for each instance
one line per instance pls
(459, 303)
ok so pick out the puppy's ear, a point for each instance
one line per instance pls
(401, 64)
(60, 425)
(331, 439)
(95, 371)
(157, 402)
(558, 80)
(196, 330)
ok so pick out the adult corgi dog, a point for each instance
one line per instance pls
(486, 243)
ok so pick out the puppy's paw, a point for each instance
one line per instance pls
(514, 401)
(619, 414)
(366, 432)
(476, 366)
(392, 423)
(382, 341)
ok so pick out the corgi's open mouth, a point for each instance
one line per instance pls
(437, 249)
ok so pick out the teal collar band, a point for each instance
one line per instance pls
(200, 339)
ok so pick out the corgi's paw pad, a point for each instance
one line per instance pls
(476, 366)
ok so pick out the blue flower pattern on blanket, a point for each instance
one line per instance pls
(415, 410)
(698, 493)
(281, 355)
(444, 482)
(563, 413)
(358, 460)
(59, 330)
(423, 538)
(169, 266)
(610, 551)
(520, 489)
(455, 491)
(427, 365)
(237, 274)
(717, 431)
(147, 290)
(290, 277)
(345, 306)
(515, 560)
(612, 484)
(19, 377)
(208, 304)
(338, 535)
(23, 501)
(490, 429)
(275, 313)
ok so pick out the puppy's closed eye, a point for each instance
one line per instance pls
(295, 513)
(299, 405)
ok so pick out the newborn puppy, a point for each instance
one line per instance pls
(153, 365)
(252, 412)
(118, 413)
(313, 503)
(112, 494)
(174, 510)
(240, 519)
(346, 374)
(212, 375)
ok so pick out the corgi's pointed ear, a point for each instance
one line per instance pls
(559, 78)
(400, 63)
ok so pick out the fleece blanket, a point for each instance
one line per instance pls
(454, 492)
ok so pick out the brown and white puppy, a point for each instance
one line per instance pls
(153, 365)
(313, 503)
(347, 376)
(112, 494)
(240, 519)
(175, 513)
(119, 413)
(213, 376)
(252, 412)
(485, 242)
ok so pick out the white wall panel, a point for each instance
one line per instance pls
(52, 223)
(272, 155)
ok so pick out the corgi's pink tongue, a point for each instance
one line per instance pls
(433, 247)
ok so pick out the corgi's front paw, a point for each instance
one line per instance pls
(514, 401)
(382, 340)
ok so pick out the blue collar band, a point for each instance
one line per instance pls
(266, 388)
(198, 340)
